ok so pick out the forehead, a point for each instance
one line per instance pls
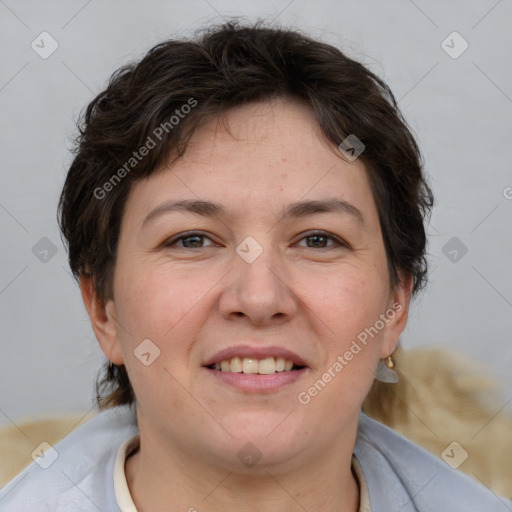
(274, 130)
(259, 157)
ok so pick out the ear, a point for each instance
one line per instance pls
(103, 320)
(396, 315)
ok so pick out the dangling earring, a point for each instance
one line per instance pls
(385, 371)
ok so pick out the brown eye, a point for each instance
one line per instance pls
(188, 241)
(320, 240)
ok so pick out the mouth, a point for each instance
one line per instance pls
(256, 369)
(249, 365)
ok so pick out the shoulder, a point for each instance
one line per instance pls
(77, 473)
(403, 476)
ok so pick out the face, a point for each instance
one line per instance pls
(288, 265)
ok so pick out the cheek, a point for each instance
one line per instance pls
(161, 307)
(154, 302)
(350, 354)
(347, 302)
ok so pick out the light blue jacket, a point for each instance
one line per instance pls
(401, 476)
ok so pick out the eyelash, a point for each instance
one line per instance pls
(171, 242)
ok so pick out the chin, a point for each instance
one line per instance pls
(257, 442)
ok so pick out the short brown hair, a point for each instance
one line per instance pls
(223, 67)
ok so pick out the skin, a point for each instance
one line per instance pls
(194, 301)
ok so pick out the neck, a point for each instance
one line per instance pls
(324, 483)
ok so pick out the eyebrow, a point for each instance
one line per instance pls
(296, 210)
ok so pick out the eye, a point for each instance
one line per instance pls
(191, 240)
(319, 240)
(195, 240)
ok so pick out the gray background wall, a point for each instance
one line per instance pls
(460, 109)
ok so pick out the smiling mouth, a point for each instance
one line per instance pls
(249, 365)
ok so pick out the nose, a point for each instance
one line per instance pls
(260, 292)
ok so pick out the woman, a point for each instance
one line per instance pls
(244, 214)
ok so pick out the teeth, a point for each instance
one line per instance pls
(235, 365)
(267, 366)
(280, 364)
(250, 365)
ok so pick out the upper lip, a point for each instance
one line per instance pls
(255, 353)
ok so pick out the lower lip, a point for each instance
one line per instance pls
(256, 383)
